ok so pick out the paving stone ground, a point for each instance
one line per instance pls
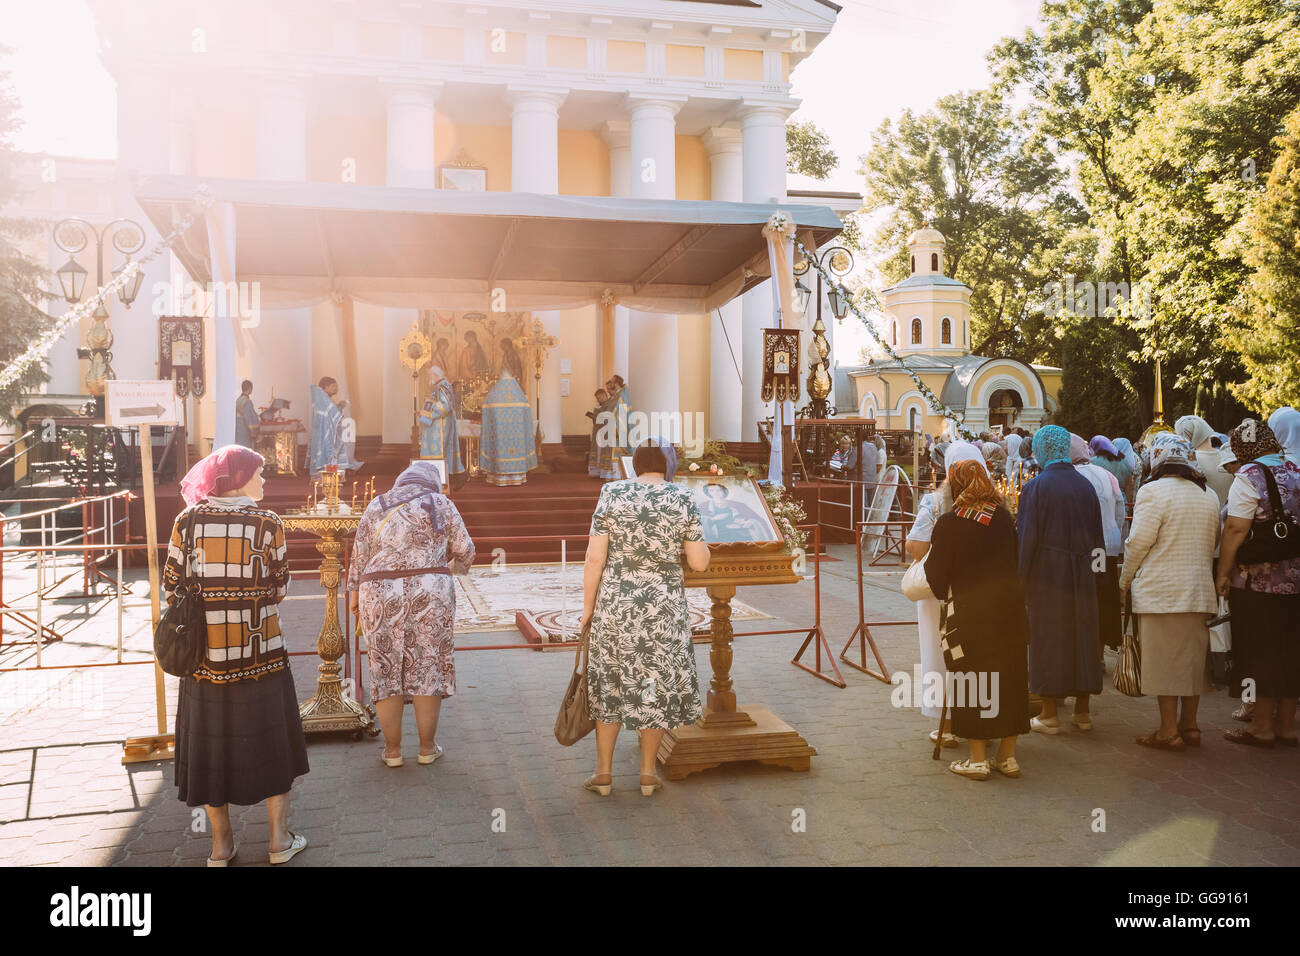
(873, 796)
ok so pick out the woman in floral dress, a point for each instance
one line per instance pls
(409, 543)
(641, 663)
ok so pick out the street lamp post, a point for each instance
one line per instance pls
(72, 235)
(839, 261)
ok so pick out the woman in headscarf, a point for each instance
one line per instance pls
(994, 458)
(1285, 423)
(1125, 448)
(1200, 436)
(1113, 512)
(972, 569)
(934, 504)
(410, 541)
(1264, 596)
(1059, 524)
(1106, 454)
(1175, 529)
(239, 738)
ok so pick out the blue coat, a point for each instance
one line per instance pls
(1059, 525)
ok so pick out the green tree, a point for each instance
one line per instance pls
(969, 167)
(22, 280)
(808, 150)
(1266, 326)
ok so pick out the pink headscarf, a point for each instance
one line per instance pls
(227, 469)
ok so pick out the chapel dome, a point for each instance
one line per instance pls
(926, 234)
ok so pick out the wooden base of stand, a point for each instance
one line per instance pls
(730, 738)
(146, 749)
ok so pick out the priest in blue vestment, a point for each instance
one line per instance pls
(325, 446)
(613, 435)
(1062, 550)
(506, 448)
(438, 435)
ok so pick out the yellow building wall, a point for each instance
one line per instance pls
(745, 65)
(693, 367)
(510, 48)
(694, 174)
(684, 60)
(368, 347)
(584, 163)
(566, 53)
(360, 140)
(487, 145)
(578, 345)
(442, 43)
(378, 38)
(625, 56)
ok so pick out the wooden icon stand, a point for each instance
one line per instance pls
(726, 734)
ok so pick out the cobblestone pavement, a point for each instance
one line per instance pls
(874, 795)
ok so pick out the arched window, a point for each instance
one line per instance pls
(916, 331)
(934, 262)
(912, 415)
(893, 335)
(945, 331)
(913, 263)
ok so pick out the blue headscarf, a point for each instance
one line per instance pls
(1125, 448)
(1051, 444)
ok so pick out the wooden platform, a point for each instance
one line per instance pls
(756, 734)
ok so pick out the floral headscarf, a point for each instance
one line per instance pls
(1168, 448)
(1251, 439)
(227, 469)
(1051, 444)
(420, 481)
(973, 493)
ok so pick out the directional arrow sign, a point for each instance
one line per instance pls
(141, 403)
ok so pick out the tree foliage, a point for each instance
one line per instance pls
(808, 150)
(22, 280)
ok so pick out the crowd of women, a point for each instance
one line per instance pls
(1105, 537)
(1037, 596)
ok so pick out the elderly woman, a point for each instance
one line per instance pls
(1285, 423)
(973, 564)
(641, 662)
(1059, 523)
(1106, 454)
(1264, 595)
(1166, 566)
(934, 504)
(1199, 435)
(239, 738)
(410, 541)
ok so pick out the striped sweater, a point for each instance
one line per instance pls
(241, 563)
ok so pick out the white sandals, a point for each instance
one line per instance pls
(293, 849)
(968, 768)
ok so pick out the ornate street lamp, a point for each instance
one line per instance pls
(72, 235)
(839, 262)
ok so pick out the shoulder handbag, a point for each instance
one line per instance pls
(574, 720)
(1128, 665)
(1274, 539)
(180, 640)
(916, 586)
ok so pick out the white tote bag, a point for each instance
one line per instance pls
(1221, 634)
(916, 586)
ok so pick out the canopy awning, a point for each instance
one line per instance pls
(446, 249)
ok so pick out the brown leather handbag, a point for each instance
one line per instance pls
(574, 720)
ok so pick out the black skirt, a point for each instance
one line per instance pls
(1108, 604)
(994, 695)
(238, 743)
(1266, 642)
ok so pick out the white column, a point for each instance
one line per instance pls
(280, 347)
(397, 389)
(652, 374)
(725, 336)
(410, 156)
(618, 138)
(535, 168)
(764, 160)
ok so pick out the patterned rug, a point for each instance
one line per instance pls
(487, 599)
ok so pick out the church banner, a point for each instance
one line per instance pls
(180, 350)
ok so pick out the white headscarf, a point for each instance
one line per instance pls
(1285, 423)
(1013, 446)
(963, 451)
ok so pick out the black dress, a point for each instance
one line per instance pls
(974, 556)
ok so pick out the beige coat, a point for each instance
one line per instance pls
(1169, 554)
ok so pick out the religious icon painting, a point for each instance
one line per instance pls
(780, 365)
(732, 509)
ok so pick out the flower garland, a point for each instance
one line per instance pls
(39, 349)
(936, 405)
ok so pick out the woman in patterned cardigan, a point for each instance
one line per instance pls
(239, 738)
